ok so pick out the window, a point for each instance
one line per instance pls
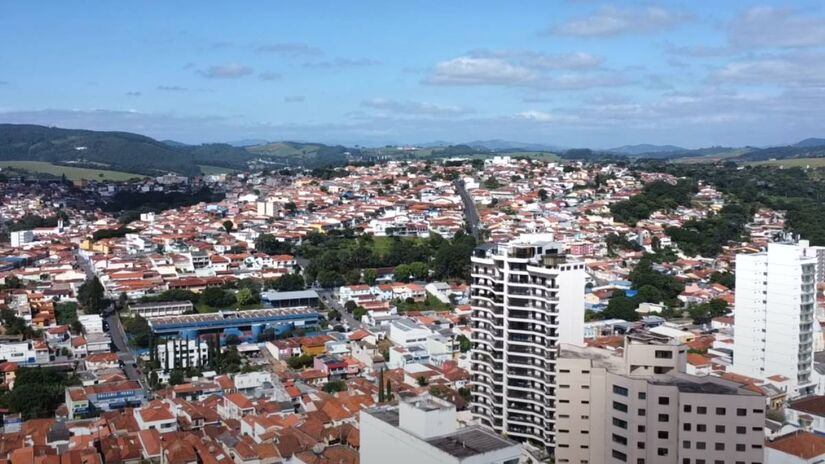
(641, 429)
(701, 410)
(741, 412)
(720, 429)
(720, 411)
(619, 423)
(686, 427)
(663, 435)
(688, 408)
(686, 444)
(642, 412)
(741, 430)
(619, 390)
(663, 418)
(664, 400)
(640, 445)
(642, 395)
(619, 455)
(619, 406)
(700, 445)
(619, 439)
(740, 447)
(719, 446)
(661, 451)
(662, 354)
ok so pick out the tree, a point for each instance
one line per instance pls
(464, 343)
(287, 283)
(228, 226)
(244, 297)
(543, 195)
(153, 380)
(177, 377)
(269, 244)
(419, 270)
(381, 386)
(122, 301)
(91, 295)
(137, 328)
(724, 278)
(353, 277)
(300, 362)
(402, 273)
(422, 381)
(358, 313)
(388, 393)
(370, 276)
(217, 297)
(330, 279)
(350, 306)
(335, 386)
(621, 307)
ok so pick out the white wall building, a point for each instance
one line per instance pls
(775, 299)
(406, 332)
(182, 354)
(21, 237)
(526, 298)
(425, 430)
(92, 323)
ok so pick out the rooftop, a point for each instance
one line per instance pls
(470, 441)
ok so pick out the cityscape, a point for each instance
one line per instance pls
(595, 237)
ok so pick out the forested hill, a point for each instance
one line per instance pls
(124, 151)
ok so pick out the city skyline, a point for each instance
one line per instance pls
(562, 73)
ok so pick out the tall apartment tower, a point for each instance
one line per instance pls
(526, 299)
(641, 407)
(774, 314)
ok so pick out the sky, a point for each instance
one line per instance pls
(571, 73)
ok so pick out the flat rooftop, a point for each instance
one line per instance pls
(294, 295)
(160, 304)
(229, 317)
(470, 441)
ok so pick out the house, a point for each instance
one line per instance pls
(796, 448)
(156, 415)
(235, 406)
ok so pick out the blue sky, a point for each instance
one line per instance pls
(570, 73)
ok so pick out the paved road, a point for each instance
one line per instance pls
(470, 210)
(119, 339)
(329, 300)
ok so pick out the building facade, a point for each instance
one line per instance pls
(182, 354)
(425, 430)
(641, 407)
(775, 300)
(526, 298)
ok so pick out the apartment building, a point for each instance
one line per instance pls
(182, 354)
(641, 407)
(424, 430)
(775, 300)
(526, 298)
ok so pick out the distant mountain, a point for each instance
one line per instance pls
(247, 142)
(811, 142)
(645, 148)
(506, 145)
(787, 152)
(174, 143)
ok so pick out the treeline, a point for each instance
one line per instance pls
(798, 191)
(706, 237)
(651, 286)
(159, 201)
(340, 258)
(654, 196)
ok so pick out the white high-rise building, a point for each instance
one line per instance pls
(526, 299)
(774, 314)
(182, 354)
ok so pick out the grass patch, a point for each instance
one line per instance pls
(71, 172)
(793, 163)
(208, 170)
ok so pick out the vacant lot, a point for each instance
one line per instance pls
(72, 173)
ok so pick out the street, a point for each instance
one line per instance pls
(330, 302)
(470, 211)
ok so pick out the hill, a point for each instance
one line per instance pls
(780, 153)
(119, 151)
(645, 148)
(810, 142)
(506, 145)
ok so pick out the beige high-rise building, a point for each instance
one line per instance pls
(527, 297)
(641, 407)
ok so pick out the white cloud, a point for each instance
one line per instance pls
(786, 70)
(343, 63)
(770, 27)
(542, 61)
(290, 49)
(413, 107)
(612, 21)
(467, 70)
(227, 71)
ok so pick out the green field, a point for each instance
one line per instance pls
(208, 170)
(793, 163)
(71, 173)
